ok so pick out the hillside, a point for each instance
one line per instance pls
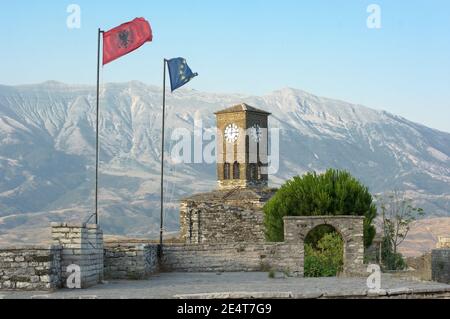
(48, 142)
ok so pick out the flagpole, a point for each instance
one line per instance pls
(162, 161)
(96, 131)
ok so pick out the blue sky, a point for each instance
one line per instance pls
(252, 47)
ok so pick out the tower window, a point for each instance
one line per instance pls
(259, 170)
(226, 171)
(253, 171)
(236, 171)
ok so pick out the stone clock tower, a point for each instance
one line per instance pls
(242, 145)
(232, 213)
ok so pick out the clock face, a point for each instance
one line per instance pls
(256, 133)
(232, 133)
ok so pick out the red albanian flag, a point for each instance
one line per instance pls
(125, 38)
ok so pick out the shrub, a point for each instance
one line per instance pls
(332, 193)
(397, 214)
(315, 235)
(391, 260)
(327, 259)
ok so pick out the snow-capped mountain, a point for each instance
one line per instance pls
(47, 151)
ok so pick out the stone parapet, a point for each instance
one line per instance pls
(443, 242)
(125, 260)
(234, 257)
(30, 267)
(81, 245)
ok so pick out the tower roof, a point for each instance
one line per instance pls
(242, 108)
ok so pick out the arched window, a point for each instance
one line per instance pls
(236, 171)
(313, 241)
(259, 170)
(226, 171)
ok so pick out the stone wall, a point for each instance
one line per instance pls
(30, 268)
(39, 268)
(233, 257)
(443, 242)
(128, 260)
(349, 227)
(224, 216)
(219, 222)
(81, 245)
(440, 265)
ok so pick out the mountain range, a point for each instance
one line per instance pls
(47, 152)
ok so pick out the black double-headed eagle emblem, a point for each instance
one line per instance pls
(124, 38)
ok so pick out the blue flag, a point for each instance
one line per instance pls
(179, 73)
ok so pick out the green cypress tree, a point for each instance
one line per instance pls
(331, 193)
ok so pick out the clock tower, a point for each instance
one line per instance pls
(242, 145)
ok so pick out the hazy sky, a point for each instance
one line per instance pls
(253, 47)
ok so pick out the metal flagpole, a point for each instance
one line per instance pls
(96, 131)
(162, 161)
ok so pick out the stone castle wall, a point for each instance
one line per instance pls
(82, 245)
(128, 260)
(30, 268)
(440, 265)
(46, 268)
(234, 257)
(443, 242)
(218, 227)
(221, 222)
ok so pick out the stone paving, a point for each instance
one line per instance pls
(236, 285)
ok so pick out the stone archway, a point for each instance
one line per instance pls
(315, 249)
(296, 228)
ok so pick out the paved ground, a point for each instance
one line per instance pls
(196, 285)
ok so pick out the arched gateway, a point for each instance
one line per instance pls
(296, 228)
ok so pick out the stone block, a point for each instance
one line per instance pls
(23, 285)
(34, 279)
(7, 284)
